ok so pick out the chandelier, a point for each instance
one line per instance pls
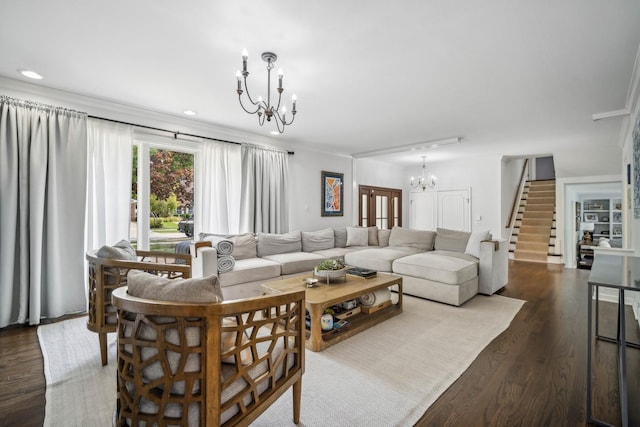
(425, 179)
(264, 109)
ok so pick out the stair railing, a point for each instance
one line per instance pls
(518, 195)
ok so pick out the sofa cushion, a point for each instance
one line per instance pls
(451, 240)
(150, 286)
(379, 259)
(295, 262)
(271, 244)
(473, 245)
(420, 239)
(318, 240)
(340, 235)
(357, 236)
(121, 250)
(437, 266)
(249, 270)
(383, 237)
(244, 245)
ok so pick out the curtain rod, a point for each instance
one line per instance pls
(175, 133)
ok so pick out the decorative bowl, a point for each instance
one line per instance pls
(330, 274)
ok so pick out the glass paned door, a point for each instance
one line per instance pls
(380, 206)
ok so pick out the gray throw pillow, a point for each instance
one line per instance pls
(340, 235)
(451, 240)
(373, 235)
(273, 244)
(121, 250)
(383, 237)
(150, 286)
(318, 240)
(357, 236)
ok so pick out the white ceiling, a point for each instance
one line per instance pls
(519, 77)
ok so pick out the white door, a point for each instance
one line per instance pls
(454, 211)
(423, 213)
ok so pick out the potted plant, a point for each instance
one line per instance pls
(330, 269)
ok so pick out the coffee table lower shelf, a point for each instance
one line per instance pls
(357, 323)
(323, 296)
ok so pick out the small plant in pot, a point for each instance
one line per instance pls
(330, 269)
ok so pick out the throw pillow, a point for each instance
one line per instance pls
(420, 239)
(473, 245)
(149, 286)
(383, 237)
(451, 240)
(373, 235)
(121, 250)
(357, 236)
(273, 244)
(318, 240)
(340, 235)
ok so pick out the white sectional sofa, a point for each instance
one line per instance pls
(446, 266)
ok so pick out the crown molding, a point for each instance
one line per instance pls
(115, 110)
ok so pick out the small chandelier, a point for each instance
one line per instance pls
(265, 109)
(425, 179)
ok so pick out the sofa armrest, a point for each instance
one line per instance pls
(204, 259)
(494, 266)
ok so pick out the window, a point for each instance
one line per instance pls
(162, 192)
(379, 206)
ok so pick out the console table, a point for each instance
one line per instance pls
(623, 274)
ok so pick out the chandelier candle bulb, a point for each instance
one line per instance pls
(239, 77)
(245, 56)
(280, 76)
(294, 98)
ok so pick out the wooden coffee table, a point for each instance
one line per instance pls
(326, 295)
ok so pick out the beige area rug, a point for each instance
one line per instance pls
(386, 376)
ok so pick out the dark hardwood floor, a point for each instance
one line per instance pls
(533, 374)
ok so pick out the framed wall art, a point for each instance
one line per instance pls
(331, 194)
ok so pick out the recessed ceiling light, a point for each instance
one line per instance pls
(190, 112)
(274, 132)
(30, 74)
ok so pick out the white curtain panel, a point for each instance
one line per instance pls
(42, 209)
(218, 195)
(109, 157)
(265, 184)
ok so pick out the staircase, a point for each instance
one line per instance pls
(533, 237)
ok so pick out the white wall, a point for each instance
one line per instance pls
(305, 185)
(482, 175)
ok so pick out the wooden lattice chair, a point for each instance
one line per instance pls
(206, 364)
(108, 268)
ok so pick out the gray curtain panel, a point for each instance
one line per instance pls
(264, 202)
(43, 168)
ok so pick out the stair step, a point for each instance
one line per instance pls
(541, 207)
(540, 201)
(539, 214)
(542, 193)
(530, 237)
(541, 247)
(536, 221)
(534, 229)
